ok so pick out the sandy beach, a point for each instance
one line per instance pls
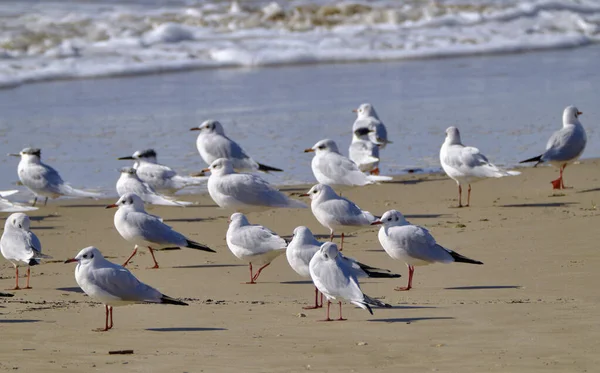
(532, 307)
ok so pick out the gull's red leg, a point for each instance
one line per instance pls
(316, 301)
(153, 258)
(259, 271)
(342, 246)
(411, 271)
(341, 318)
(459, 196)
(105, 322)
(16, 279)
(110, 309)
(469, 196)
(251, 276)
(131, 256)
(28, 277)
(327, 317)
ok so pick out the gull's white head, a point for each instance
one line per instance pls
(453, 136)
(365, 110)
(320, 191)
(29, 154)
(128, 171)
(238, 219)
(323, 146)
(209, 126)
(86, 256)
(571, 115)
(328, 251)
(17, 221)
(221, 166)
(148, 155)
(391, 218)
(129, 201)
(302, 234)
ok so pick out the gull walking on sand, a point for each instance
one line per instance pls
(212, 144)
(565, 146)
(335, 278)
(254, 244)
(43, 180)
(244, 192)
(366, 117)
(19, 245)
(160, 177)
(336, 213)
(363, 152)
(332, 168)
(8, 206)
(112, 284)
(466, 164)
(413, 244)
(129, 182)
(304, 246)
(135, 225)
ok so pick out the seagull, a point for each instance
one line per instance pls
(367, 118)
(8, 206)
(129, 182)
(212, 144)
(564, 146)
(244, 192)
(413, 244)
(304, 246)
(363, 152)
(254, 244)
(43, 180)
(19, 245)
(112, 284)
(160, 177)
(332, 168)
(336, 278)
(135, 225)
(466, 164)
(336, 213)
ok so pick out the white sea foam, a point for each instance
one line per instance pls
(70, 39)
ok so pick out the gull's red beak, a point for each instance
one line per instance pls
(309, 150)
(376, 222)
(111, 206)
(354, 110)
(304, 195)
(195, 129)
(206, 170)
(71, 260)
(579, 113)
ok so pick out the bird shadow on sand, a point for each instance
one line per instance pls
(43, 227)
(211, 266)
(410, 319)
(549, 204)
(184, 329)
(303, 190)
(375, 250)
(11, 321)
(84, 205)
(300, 282)
(199, 205)
(72, 290)
(588, 190)
(425, 216)
(405, 307)
(483, 287)
(191, 220)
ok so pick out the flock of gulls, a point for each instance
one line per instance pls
(234, 185)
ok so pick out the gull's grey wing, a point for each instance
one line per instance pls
(117, 282)
(20, 244)
(154, 230)
(222, 146)
(339, 168)
(252, 190)
(158, 173)
(345, 212)
(363, 151)
(565, 144)
(419, 243)
(470, 161)
(334, 278)
(256, 239)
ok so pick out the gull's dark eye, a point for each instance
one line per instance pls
(326, 256)
(314, 192)
(85, 256)
(91, 256)
(20, 226)
(322, 147)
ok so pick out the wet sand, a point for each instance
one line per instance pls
(532, 307)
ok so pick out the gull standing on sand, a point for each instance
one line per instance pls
(135, 225)
(363, 152)
(244, 192)
(332, 168)
(129, 182)
(366, 117)
(413, 244)
(466, 164)
(160, 177)
(43, 180)
(336, 213)
(254, 244)
(19, 245)
(112, 284)
(8, 206)
(212, 144)
(335, 278)
(565, 146)
(304, 246)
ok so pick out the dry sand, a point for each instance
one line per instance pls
(532, 307)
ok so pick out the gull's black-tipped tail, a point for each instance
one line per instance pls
(198, 246)
(537, 159)
(33, 262)
(377, 272)
(165, 299)
(375, 302)
(265, 168)
(463, 259)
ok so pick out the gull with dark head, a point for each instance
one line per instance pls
(129, 182)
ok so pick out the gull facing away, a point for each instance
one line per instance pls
(112, 284)
(335, 278)
(43, 180)
(135, 225)
(212, 144)
(244, 192)
(363, 152)
(129, 182)
(466, 164)
(366, 117)
(19, 245)
(565, 146)
(304, 246)
(160, 177)
(8, 206)
(413, 244)
(332, 168)
(336, 213)
(254, 244)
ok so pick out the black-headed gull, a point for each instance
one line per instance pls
(335, 277)
(135, 225)
(413, 244)
(466, 164)
(129, 182)
(363, 152)
(565, 146)
(366, 117)
(20, 246)
(253, 244)
(112, 284)
(43, 180)
(212, 144)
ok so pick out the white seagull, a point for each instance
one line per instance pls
(254, 244)
(8, 206)
(332, 168)
(43, 180)
(366, 117)
(466, 164)
(304, 246)
(212, 144)
(19, 245)
(413, 244)
(336, 278)
(160, 177)
(336, 213)
(244, 192)
(112, 284)
(363, 152)
(135, 225)
(129, 182)
(565, 146)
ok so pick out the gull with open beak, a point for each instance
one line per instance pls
(129, 182)
(366, 117)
